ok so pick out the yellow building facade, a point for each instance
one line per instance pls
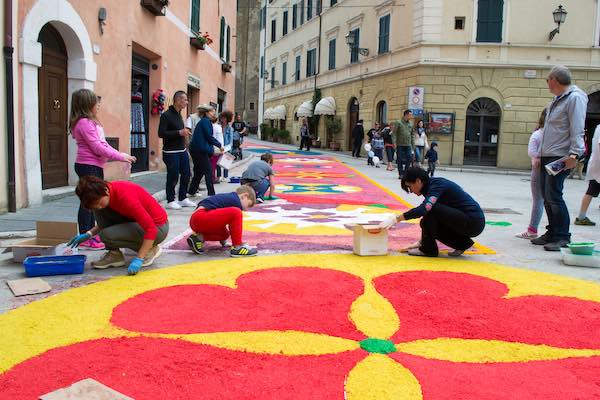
(480, 67)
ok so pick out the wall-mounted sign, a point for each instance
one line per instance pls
(530, 74)
(194, 81)
(416, 98)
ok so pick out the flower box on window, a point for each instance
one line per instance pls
(156, 7)
(226, 67)
(200, 41)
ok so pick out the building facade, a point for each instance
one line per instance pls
(127, 52)
(247, 61)
(475, 69)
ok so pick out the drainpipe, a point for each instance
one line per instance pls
(8, 50)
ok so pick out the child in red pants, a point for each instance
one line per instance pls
(220, 216)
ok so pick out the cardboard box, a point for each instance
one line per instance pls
(369, 240)
(49, 237)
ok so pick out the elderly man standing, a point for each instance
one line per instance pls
(563, 136)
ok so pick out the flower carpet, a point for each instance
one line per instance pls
(318, 195)
(313, 326)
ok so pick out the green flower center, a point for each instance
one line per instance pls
(379, 346)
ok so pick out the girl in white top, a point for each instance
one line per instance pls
(421, 144)
(537, 208)
(217, 134)
(592, 175)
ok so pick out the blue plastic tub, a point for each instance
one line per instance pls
(234, 179)
(54, 265)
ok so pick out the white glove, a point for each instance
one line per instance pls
(388, 222)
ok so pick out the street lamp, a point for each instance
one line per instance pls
(560, 16)
(351, 42)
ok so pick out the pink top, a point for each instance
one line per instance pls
(92, 148)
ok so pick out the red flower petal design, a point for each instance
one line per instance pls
(145, 368)
(304, 299)
(455, 305)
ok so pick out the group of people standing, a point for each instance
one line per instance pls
(406, 145)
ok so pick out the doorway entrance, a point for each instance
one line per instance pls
(482, 132)
(353, 111)
(53, 108)
(140, 104)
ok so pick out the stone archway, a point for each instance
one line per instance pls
(81, 73)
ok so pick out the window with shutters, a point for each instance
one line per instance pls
(333, 3)
(195, 17)
(284, 73)
(273, 77)
(319, 7)
(294, 16)
(263, 18)
(228, 46)
(285, 23)
(354, 50)
(489, 21)
(222, 39)
(301, 12)
(297, 70)
(332, 44)
(273, 30)
(384, 34)
(311, 62)
(262, 67)
(309, 9)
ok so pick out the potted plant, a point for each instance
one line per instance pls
(200, 41)
(226, 67)
(156, 7)
(284, 136)
(334, 127)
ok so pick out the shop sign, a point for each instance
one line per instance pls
(194, 81)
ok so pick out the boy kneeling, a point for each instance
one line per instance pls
(220, 216)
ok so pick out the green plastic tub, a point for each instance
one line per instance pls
(582, 248)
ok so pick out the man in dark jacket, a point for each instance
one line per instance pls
(449, 214)
(172, 131)
(202, 147)
(358, 135)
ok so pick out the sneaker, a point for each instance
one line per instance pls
(419, 253)
(224, 243)
(456, 253)
(556, 246)
(174, 205)
(196, 243)
(152, 255)
(197, 194)
(187, 203)
(527, 235)
(112, 258)
(222, 179)
(584, 221)
(259, 200)
(93, 244)
(541, 240)
(243, 251)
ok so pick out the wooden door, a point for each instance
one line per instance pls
(53, 108)
(353, 110)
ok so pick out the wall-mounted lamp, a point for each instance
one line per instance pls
(102, 15)
(351, 42)
(560, 15)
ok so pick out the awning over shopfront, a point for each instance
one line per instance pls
(268, 113)
(305, 109)
(326, 106)
(279, 112)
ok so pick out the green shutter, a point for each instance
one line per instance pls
(195, 20)
(490, 21)
(228, 44)
(222, 39)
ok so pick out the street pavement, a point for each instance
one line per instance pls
(506, 197)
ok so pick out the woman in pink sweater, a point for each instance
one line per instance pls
(92, 152)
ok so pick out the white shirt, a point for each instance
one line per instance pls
(593, 169)
(218, 133)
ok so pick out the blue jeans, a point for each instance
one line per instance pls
(403, 158)
(178, 164)
(261, 187)
(85, 217)
(556, 209)
(537, 208)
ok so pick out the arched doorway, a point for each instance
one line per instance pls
(53, 108)
(482, 132)
(381, 116)
(353, 110)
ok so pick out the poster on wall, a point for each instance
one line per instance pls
(416, 98)
(441, 123)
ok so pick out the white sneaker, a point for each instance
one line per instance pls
(187, 203)
(174, 205)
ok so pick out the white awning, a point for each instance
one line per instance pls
(305, 109)
(326, 106)
(268, 113)
(279, 112)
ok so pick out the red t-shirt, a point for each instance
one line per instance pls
(134, 202)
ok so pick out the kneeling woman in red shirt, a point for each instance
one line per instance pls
(127, 217)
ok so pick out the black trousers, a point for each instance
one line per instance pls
(305, 141)
(178, 164)
(450, 226)
(85, 217)
(356, 145)
(202, 168)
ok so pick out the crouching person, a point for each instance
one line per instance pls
(259, 176)
(449, 214)
(220, 216)
(127, 217)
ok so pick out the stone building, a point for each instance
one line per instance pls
(247, 61)
(477, 66)
(125, 51)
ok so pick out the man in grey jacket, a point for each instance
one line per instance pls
(563, 136)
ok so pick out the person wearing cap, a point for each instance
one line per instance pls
(202, 148)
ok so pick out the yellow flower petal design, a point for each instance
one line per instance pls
(289, 343)
(488, 351)
(373, 314)
(378, 377)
